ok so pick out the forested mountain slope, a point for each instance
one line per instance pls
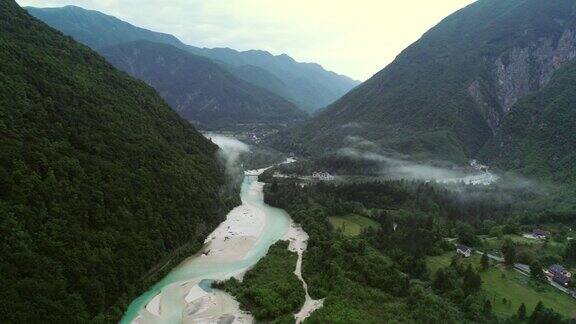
(100, 181)
(306, 84)
(198, 89)
(447, 94)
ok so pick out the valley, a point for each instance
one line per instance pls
(229, 252)
(185, 169)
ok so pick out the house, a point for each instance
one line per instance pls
(539, 234)
(558, 270)
(559, 275)
(323, 176)
(562, 280)
(464, 250)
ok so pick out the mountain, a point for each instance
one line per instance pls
(101, 183)
(96, 29)
(447, 94)
(308, 85)
(198, 89)
(538, 136)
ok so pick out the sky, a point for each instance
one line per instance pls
(353, 37)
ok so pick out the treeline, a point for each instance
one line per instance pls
(471, 204)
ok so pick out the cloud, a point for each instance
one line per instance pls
(230, 151)
(356, 38)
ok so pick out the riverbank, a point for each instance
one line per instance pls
(233, 248)
(298, 242)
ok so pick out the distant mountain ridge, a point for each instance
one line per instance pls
(92, 28)
(449, 93)
(198, 89)
(306, 84)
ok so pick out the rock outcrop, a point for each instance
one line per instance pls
(520, 72)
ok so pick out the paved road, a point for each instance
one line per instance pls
(492, 256)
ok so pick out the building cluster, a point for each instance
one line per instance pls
(479, 167)
(323, 176)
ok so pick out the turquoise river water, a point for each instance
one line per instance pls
(277, 223)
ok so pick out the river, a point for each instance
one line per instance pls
(236, 245)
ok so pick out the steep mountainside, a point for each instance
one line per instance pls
(307, 85)
(100, 181)
(539, 136)
(447, 94)
(96, 29)
(198, 89)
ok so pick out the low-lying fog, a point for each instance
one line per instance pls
(230, 151)
(395, 167)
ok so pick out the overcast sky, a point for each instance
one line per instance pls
(353, 37)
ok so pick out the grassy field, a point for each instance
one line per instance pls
(537, 246)
(499, 283)
(441, 261)
(352, 225)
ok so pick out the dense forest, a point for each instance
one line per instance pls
(381, 275)
(270, 291)
(101, 183)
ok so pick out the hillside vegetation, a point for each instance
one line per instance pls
(447, 94)
(100, 180)
(198, 89)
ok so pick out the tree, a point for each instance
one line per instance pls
(467, 235)
(521, 314)
(536, 272)
(570, 253)
(537, 310)
(487, 309)
(274, 186)
(509, 252)
(544, 315)
(442, 281)
(472, 281)
(484, 261)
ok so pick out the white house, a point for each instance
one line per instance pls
(464, 251)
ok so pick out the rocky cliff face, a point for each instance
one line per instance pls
(521, 71)
(531, 67)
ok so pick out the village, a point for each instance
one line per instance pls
(508, 282)
(559, 278)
